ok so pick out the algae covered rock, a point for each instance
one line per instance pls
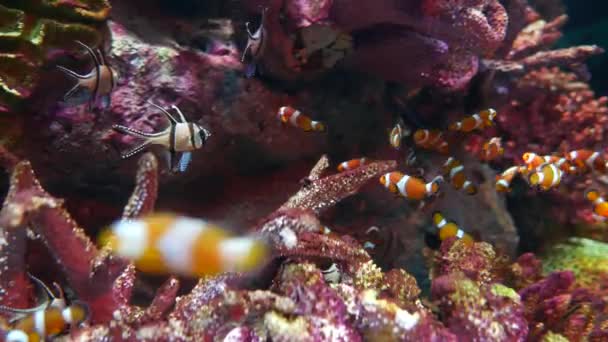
(32, 33)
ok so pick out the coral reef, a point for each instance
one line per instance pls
(350, 261)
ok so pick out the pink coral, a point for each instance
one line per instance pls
(438, 40)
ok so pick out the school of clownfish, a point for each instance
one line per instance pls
(166, 243)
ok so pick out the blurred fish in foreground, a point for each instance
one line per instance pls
(165, 243)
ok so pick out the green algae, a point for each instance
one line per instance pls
(504, 291)
(586, 258)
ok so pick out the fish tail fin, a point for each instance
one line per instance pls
(71, 73)
(134, 150)
(317, 126)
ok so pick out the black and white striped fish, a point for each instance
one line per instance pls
(180, 137)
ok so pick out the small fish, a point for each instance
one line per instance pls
(39, 325)
(533, 161)
(600, 206)
(256, 44)
(101, 81)
(454, 171)
(491, 149)
(164, 243)
(352, 164)
(396, 134)
(546, 176)
(431, 140)
(448, 229)
(503, 181)
(480, 120)
(586, 160)
(410, 187)
(180, 137)
(296, 119)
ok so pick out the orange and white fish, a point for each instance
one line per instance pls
(164, 243)
(410, 187)
(585, 160)
(600, 206)
(295, 118)
(39, 325)
(180, 136)
(503, 180)
(352, 164)
(454, 171)
(480, 120)
(491, 149)
(448, 229)
(256, 45)
(100, 81)
(546, 176)
(431, 140)
(397, 133)
(533, 161)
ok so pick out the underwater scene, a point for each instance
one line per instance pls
(303, 170)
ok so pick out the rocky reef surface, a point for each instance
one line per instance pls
(359, 67)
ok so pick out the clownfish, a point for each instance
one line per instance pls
(533, 161)
(297, 119)
(352, 164)
(256, 44)
(396, 134)
(39, 325)
(410, 187)
(585, 160)
(491, 149)
(503, 181)
(600, 206)
(164, 243)
(180, 136)
(454, 171)
(49, 300)
(101, 81)
(431, 140)
(448, 229)
(546, 176)
(480, 120)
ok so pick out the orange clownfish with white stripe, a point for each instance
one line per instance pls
(503, 180)
(101, 81)
(480, 120)
(410, 187)
(585, 160)
(533, 161)
(600, 206)
(39, 325)
(448, 229)
(491, 149)
(546, 176)
(352, 164)
(431, 140)
(164, 243)
(289, 115)
(454, 171)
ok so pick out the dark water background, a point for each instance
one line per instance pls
(588, 24)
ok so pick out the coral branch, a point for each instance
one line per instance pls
(143, 198)
(325, 192)
(28, 204)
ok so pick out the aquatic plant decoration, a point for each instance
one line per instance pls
(350, 171)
